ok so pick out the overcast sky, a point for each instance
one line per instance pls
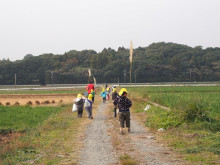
(57, 26)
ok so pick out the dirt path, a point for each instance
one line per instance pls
(141, 145)
(97, 148)
(151, 152)
(104, 145)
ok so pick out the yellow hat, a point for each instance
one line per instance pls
(90, 96)
(103, 89)
(120, 93)
(124, 90)
(79, 95)
(91, 90)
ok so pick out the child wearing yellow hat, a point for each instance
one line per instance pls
(79, 103)
(107, 92)
(93, 95)
(123, 104)
(89, 107)
(114, 95)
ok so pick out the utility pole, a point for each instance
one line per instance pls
(124, 75)
(52, 78)
(135, 78)
(190, 73)
(15, 80)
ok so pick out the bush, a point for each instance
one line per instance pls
(195, 112)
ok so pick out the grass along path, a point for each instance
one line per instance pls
(194, 143)
(139, 146)
(56, 140)
(45, 144)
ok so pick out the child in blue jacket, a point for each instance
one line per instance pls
(103, 94)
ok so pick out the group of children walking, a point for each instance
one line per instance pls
(85, 101)
(120, 101)
(105, 94)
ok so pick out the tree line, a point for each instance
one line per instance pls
(159, 62)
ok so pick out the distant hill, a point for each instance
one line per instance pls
(159, 62)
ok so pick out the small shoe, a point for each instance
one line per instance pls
(91, 117)
(129, 130)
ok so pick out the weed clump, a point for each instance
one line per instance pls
(47, 102)
(37, 102)
(127, 160)
(29, 103)
(195, 112)
(17, 103)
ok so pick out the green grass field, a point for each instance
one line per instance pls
(22, 118)
(46, 133)
(193, 122)
(181, 97)
(173, 89)
(37, 135)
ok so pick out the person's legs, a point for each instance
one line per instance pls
(127, 118)
(115, 114)
(80, 113)
(104, 100)
(87, 111)
(90, 114)
(121, 119)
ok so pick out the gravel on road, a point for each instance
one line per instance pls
(97, 148)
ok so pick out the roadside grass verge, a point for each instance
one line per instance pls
(51, 142)
(192, 124)
(28, 120)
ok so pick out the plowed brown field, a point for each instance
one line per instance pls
(43, 99)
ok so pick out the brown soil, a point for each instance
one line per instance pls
(5, 138)
(35, 99)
